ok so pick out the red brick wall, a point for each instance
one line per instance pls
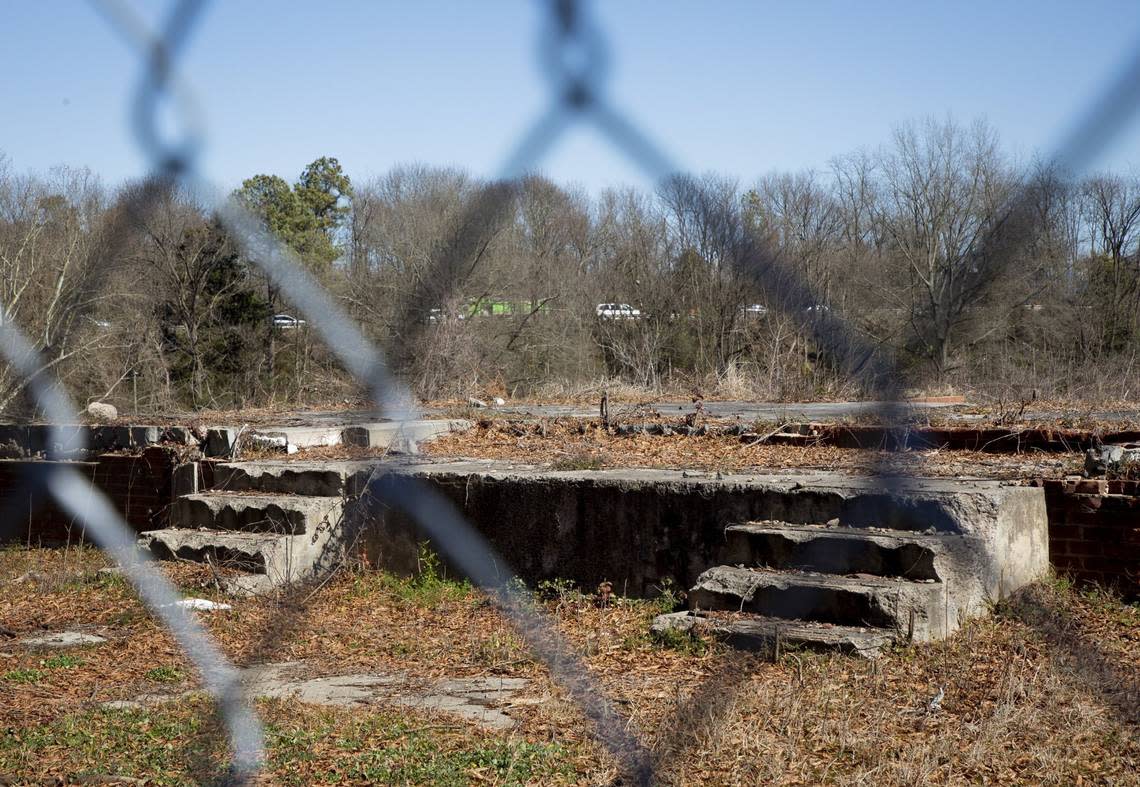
(998, 440)
(139, 486)
(1094, 531)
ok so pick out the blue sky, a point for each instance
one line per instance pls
(741, 88)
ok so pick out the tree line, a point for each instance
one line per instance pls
(937, 252)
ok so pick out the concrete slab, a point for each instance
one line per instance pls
(480, 700)
(768, 635)
(63, 639)
(396, 436)
(281, 558)
(301, 436)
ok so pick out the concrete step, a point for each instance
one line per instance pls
(771, 635)
(834, 550)
(315, 479)
(396, 436)
(401, 436)
(264, 513)
(914, 609)
(252, 552)
(281, 558)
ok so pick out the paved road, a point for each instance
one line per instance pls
(778, 412)
(746, 411)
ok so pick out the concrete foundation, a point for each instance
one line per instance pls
(18, 441)
(957, 544)
(836, 560)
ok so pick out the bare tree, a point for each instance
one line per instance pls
(192, 265)
(1112, 205)
(798, 215)
(944, 189)
(51, 262)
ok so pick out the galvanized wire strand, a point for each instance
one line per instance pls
(455, 537)
(85, 503)
(159, 80)
(575, 60)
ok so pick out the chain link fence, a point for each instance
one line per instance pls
(574, 59)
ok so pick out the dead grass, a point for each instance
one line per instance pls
(565, 443)
(1045, 692)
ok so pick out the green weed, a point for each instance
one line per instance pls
(165, 674)
(24, 676)
(62, 661)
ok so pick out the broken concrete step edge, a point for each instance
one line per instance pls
(271, 513)
(256, 552)
(912, 607)
(398, 435)
(882, 536)
(319, 478)
(734, 576)
(836, 551)
(292, 478)
(758, 632)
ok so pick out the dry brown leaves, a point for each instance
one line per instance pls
(569, 440)
(1038, 694)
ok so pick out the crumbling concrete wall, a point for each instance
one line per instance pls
(635, 528)
(138, 485)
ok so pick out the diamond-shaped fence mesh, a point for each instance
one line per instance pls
(574, 59)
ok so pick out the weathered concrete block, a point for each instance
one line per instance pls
(105, 437)
(912, 609)
(219, 441)
(179, 435)
(282, 558)
(400, 436)
(1114, 460)
(185, 479)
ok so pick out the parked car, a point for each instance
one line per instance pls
(617, 311)
(287, 321)
(439, 315)
(754, 310)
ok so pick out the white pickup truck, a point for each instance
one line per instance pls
(617, 311)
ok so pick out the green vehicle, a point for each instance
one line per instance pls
(504, 308)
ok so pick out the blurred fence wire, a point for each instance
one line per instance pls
(575, 60)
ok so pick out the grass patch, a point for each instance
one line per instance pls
(165, 747)
(25, 675)
(428, 588)
(182, 744)
(165, 674)
(62, 661)
(388, 749)
(684, 642)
